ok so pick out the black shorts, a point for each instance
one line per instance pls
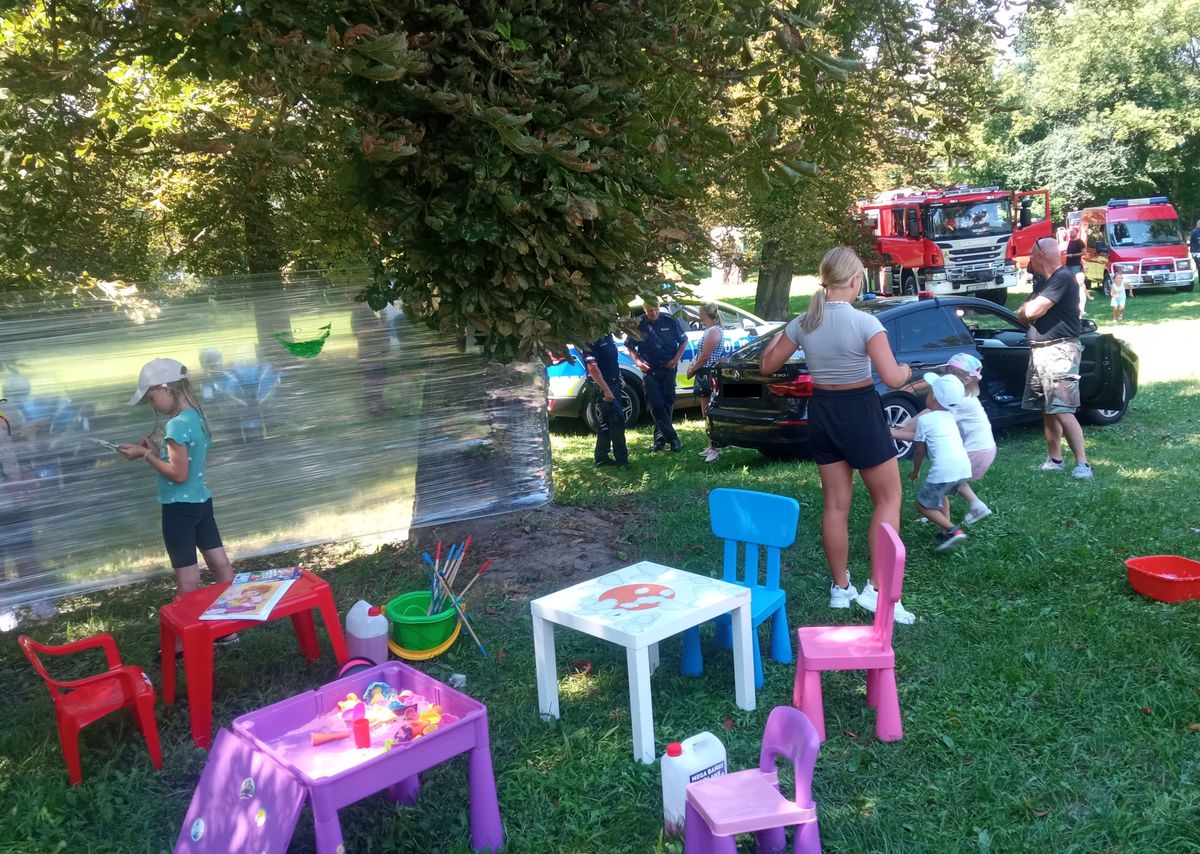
(187, 526)
(849, 426)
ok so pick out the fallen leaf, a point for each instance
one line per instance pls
(727, 723)
(968, 760)
(1146, 710)
(1036, 812)
(1070, 523)
(849, 733)
(500, 656)
(581, 665)
(1194, 727)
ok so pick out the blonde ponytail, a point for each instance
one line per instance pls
(838, 269)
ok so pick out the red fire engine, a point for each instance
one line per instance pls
(957, 240)
(1138, 238)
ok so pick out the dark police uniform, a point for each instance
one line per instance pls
(660, 342)
(611, 421)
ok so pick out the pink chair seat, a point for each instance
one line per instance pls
(745, 802)
(844, 648)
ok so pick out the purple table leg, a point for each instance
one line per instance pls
(329, 834)
(406, 791)
(487, 834)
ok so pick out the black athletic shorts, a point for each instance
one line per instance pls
(187, 526)
(849, 426)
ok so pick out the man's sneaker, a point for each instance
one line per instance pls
(841, 597)
(1082, 471)
(981, 511)
(9, 620)
(1051, 465)
(949, 539)
(869, 600)
(43, 609)
(656, 447)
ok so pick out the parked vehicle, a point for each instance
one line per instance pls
(770, 413)
(572, 395)
(958, 240)
(1139, 238)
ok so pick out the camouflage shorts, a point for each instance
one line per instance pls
(1052, 382)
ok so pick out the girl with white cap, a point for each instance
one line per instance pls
(188, 522)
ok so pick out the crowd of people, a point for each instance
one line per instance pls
(848, 431)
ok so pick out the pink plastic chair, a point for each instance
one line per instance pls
(858, 648)
(719, 808)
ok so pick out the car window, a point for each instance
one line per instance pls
(931, 329)
(985, 320)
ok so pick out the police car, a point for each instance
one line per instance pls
(571, 394)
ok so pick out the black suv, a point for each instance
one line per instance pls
(770, 413)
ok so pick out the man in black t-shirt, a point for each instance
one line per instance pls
(1194, 244)
(1052, 381)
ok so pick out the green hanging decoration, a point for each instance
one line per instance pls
(305, 349)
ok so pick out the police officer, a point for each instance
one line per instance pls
(601, 361)
(657, 354)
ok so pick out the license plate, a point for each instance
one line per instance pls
(1159, 278)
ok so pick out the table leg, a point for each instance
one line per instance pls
(333, 626)
(487, 834)
(306, 635)
(640, 709)
(166, 643)
(653, 657)
(198, 665)
(547, 667)
(329, 834)
(743, 658)
(406, 791)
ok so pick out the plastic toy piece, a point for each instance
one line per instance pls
(757, 520)
(79, 702)
(324, 737)
(858, 648)
(425, 654)
(362, 733)
(718, 808)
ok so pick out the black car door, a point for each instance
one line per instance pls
(1100, 370)
(927, 336)
(1004, 350)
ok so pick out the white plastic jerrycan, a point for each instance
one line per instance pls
(367, 632)
(687, 761)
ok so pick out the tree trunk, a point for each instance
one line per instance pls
(265, 264)
(774, 284)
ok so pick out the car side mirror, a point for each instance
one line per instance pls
(749, 324)
(1087, 325)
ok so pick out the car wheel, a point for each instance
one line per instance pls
(1186, 289)
(897, 410)
(1105, 417)
(908, 284)
(633, 408)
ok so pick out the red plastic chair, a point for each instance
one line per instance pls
(719, 808)
(858, 647)
(79, 702)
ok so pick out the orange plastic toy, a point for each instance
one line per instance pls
(79, 702)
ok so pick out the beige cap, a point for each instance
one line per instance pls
(157, 372)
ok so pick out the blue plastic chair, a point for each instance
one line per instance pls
(750, 522)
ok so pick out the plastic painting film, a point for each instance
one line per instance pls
(327, 421)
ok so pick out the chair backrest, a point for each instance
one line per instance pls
(790, 734)
(58, 687)
(755, 520)
(31, 647)
(888, 559)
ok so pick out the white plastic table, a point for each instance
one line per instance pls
(637, 607)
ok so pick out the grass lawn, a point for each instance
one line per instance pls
(1046, 706)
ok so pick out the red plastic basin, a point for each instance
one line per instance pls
(1167, 578)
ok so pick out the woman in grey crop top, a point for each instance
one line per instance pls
(846, 425)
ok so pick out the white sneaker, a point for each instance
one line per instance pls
(980, 511)
(1051, 465)
(711, 455)
(43, 609)
(869, 600)
(1082, 471)
(8, 620)
(703, 452)
(841, 597)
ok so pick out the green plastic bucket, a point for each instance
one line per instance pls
(411, 628)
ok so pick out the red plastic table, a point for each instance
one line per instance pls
(181, 619)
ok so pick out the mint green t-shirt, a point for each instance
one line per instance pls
(186, 429)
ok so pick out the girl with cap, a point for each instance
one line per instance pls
(187, 508)
(973, 425)
(846, 425)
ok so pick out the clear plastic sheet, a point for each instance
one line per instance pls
(329, 422)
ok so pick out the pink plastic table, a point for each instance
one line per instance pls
(181, 619)
(336, 774)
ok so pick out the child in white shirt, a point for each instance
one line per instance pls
(937, 433)
(976, 431)
(1117, 293)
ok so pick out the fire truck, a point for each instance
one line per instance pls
(955, 240)
(1138, 238)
